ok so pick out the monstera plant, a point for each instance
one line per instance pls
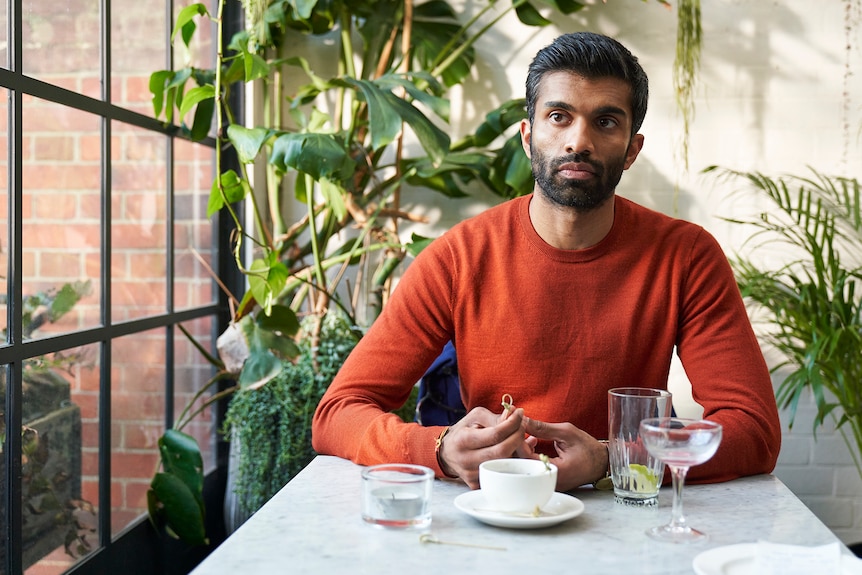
(347, 144)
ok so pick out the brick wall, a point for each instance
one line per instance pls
(62, 227)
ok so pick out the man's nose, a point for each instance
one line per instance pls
(579, 139)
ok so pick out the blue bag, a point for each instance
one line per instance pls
(439, 400)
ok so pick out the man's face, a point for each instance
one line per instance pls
(580, 140)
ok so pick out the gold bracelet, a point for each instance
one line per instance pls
(439, 441)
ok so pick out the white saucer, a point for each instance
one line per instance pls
(741, 559)
(561, 507)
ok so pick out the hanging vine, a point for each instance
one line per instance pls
(689, 38)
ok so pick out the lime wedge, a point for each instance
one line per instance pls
(642, 479)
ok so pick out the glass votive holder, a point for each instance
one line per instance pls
(397, 495)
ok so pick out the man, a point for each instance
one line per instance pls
(554, 298)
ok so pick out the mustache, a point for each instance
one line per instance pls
(577, 158)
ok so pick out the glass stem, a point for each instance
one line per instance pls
(677, 523)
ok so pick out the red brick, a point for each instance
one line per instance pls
(151, 234)
(137, 294)
(28, 263)
(147, 265)
(136, 493)
(90, 147)
(117, 481)
(92, 265)
(70, 235)
(65, 177)
(138, 407)
(137, 89)
(50, 206)
(142, 147)
(145, 348)
(89, 404)
(44, 117)
(90, 434)
(88, 379)
(89, 462)
(90, 490)
(137, 465)
(57, 148)
(139, 435)
(137, 177)
(90, 205)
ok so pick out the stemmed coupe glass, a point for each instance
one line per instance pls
(680, 443)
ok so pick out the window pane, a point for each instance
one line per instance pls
(4, 42)
(4, 211)
(192, 372)
(138, 224)
(193, 243)
(138, 414)
(135, 54)
(60, 459)
(61, 218)
(61, 41)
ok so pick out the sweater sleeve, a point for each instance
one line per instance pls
(722, 358)
(353, 419)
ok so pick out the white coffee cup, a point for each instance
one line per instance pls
(517, 485)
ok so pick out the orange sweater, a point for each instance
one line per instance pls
(556, 329)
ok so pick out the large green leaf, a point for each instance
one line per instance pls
(158, 80)
(195, 95)
(440, 106)
(247, 141)
(528, 15)
(234, 187)
(181, 457)
(185, 23)
(436, 30)
(319, 155)
(565, 6)
(497, 123)
(281, 320)
(384, 122)
(203, 119)
(434, 141)
(172, 503)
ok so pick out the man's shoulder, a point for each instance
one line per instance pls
(494, 217)
(649, 216)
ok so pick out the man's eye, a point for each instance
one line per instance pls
(608, 123)
(556, 117)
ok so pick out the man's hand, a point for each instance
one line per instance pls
(580, 457)
(481, 435)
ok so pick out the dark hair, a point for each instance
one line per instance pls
(591, 56)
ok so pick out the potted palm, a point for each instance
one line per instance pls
(810, 292)
(344, 146)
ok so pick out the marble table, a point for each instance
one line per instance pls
(313, 525)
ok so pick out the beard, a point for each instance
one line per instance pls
(578, 194)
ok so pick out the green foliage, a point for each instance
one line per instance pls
(272, 423)
(175, 498)
(341, 147)
(813, 298)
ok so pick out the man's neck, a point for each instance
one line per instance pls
(567, 228)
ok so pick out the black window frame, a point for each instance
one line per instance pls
(138, 549)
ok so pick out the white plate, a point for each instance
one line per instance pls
(741, 560)
(561, 507)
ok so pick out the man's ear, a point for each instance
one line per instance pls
(526, 134)
(635, 146)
